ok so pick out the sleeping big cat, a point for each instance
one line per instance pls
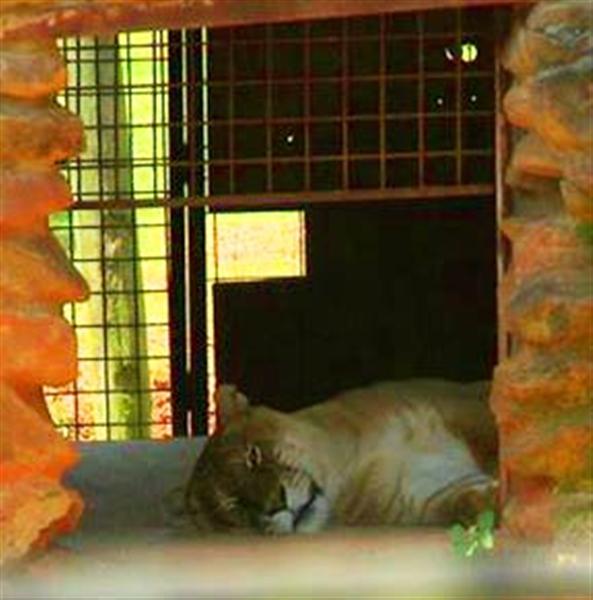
(419, 452)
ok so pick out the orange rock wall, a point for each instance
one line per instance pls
(543, 393)
(37, 346)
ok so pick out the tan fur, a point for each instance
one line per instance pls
(390, 453)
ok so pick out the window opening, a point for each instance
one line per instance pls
(203, 142)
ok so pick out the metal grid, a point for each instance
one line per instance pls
(372, 108)
(118, 87)
(389, 106)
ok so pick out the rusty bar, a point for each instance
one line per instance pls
(458, 100)
(344, 82)
(232, 121)
(268, 115)
(307, 91)
(421, 104)
(383, 105)
(276, 199)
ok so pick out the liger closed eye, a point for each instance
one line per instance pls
(253, 456)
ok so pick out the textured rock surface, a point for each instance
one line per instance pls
(556, 104)
(543, 393)
(47, 191)
(43, 453)
(34, 506)
(579, 204)
(31, 70)
(554, 33)
(35, 265)
(37, 131)
(37, 346)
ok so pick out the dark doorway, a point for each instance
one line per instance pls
(393, 291)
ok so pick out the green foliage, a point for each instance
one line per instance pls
(476, 539)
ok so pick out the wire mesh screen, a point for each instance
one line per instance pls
(382, 103)
(118, 87)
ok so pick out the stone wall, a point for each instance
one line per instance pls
(37, 346)
(543, 392)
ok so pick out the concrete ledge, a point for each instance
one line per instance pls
(126, 548)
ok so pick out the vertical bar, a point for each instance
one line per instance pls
(100, 163)
(345, 106)
(458, 103)
(210, 230)
(137, 280)
(165, 119)
(125, 54)
(198, 383)
(421, 92)
(382, 104)
(71, 220)
(231, 115)
(269, 48)
(196, 254)
(213, 277)
(176, 272)
(73, 172)
(307, 103)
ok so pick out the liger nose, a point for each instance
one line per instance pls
(278, 501)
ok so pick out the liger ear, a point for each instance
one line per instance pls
(230, 403)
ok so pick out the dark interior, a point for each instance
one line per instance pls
(393, 291)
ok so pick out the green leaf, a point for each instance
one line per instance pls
(458, 540)
(472, 548)
(486, 520)
(457, 534)
(487, 541)
(476, 539)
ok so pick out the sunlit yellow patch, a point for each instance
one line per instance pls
(259, 245)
